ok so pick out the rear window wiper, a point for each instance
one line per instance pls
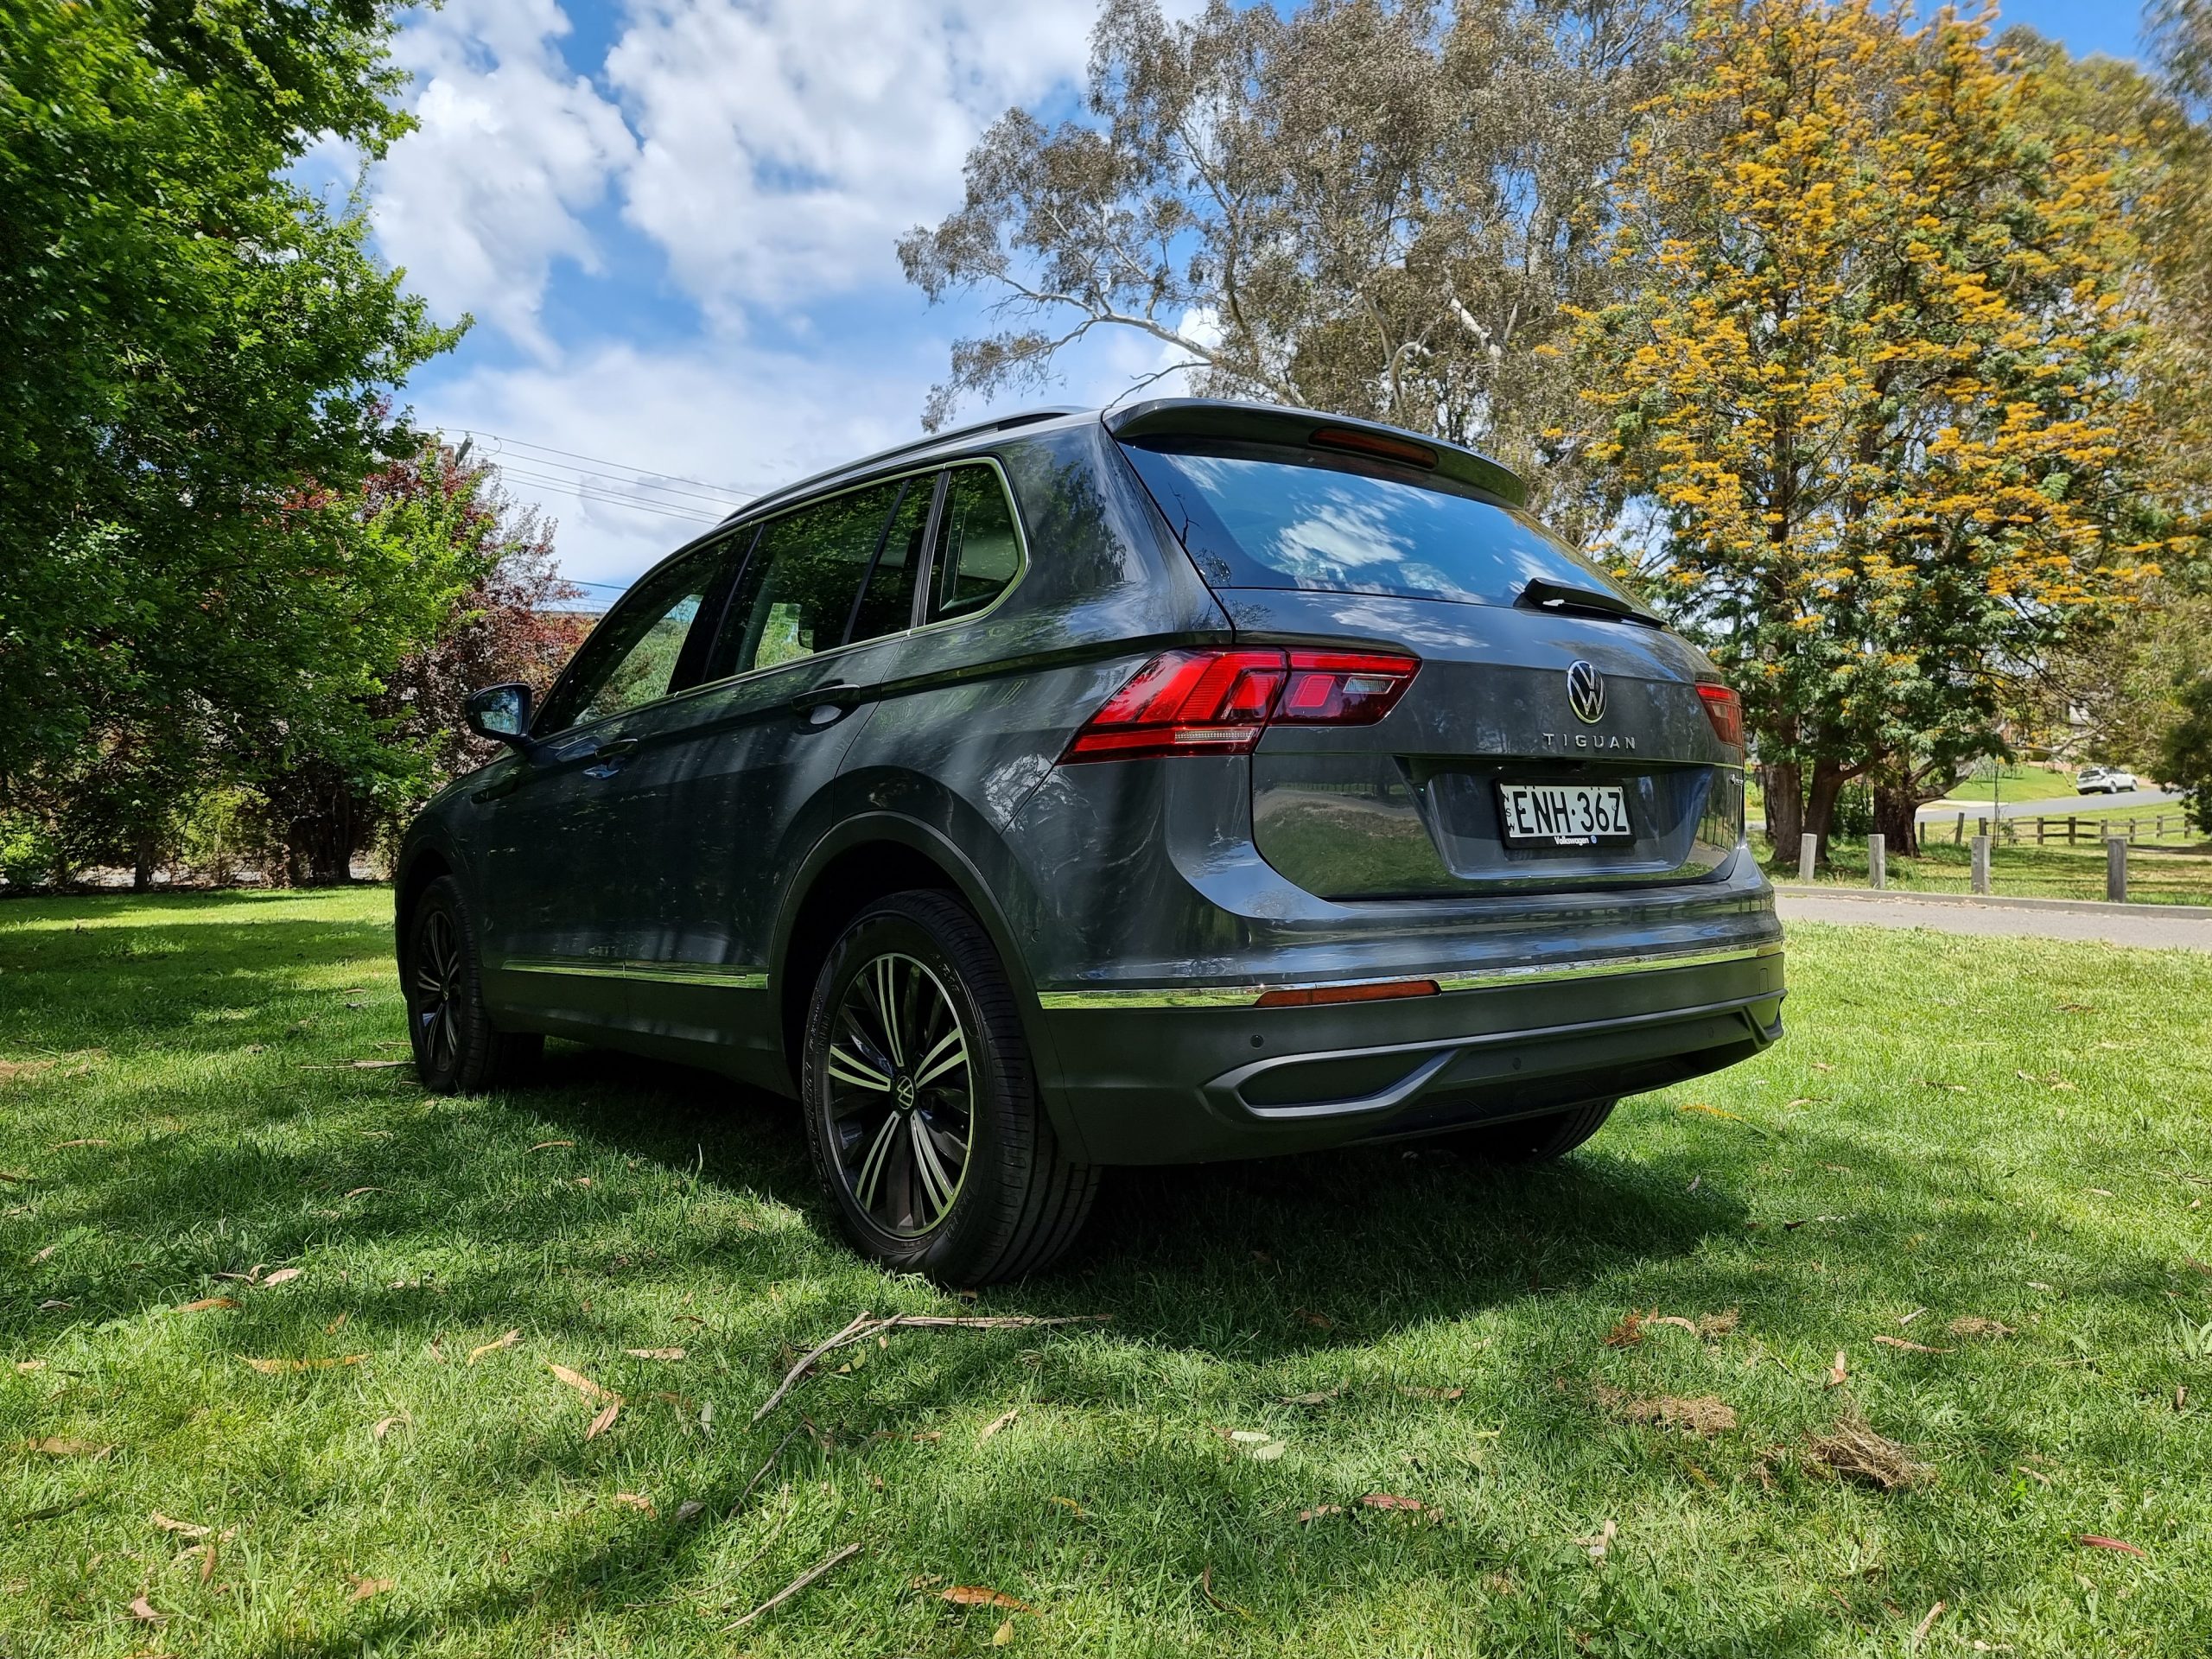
(1541, 595)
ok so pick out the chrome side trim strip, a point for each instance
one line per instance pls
(670, 973)
(1217, 996)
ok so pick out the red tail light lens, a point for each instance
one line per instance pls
(1320, 994)
(1218, 700)
(1725, 711)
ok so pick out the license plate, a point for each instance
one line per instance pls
(1564, 815)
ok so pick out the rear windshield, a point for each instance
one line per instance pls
(1255, 516)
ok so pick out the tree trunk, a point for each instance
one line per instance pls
(142, 864)
(1783, 785)
(1828, 780)
(318, 842)
(1897, 816)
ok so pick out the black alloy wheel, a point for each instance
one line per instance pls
(455, 1044)
(923, 1116)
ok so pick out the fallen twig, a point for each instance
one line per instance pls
(797, 1584)
(867, 1325)
(761, 1473)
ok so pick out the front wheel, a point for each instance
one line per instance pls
(1535, 1139)
(923, 1118)
(456, 1045)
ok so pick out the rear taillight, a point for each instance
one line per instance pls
(1217, 700)
(1725, 711)
(1314, 996)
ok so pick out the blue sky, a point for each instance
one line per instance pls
(673, 222)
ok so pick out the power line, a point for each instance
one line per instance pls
(608, 481)
(601, 461)
(566, 486)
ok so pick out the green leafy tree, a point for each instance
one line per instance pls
(196, 364)
(1381, 206)
(1875, 388)
(2186, 758)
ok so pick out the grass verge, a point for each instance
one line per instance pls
(1638, 1403)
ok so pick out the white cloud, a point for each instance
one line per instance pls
(741, 419)
(484, 195)
(785, 145)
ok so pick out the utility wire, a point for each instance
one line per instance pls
(566, 486)
(599, 461)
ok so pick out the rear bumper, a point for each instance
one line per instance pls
(1183, 1079)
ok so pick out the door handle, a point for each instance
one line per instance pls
(607, 759)
(824, 705)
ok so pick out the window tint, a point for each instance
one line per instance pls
(888, 606)
(632, 655)
(978, 552)
(797, 595)
(1254, 517)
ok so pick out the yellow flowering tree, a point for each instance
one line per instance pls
(1869, 403)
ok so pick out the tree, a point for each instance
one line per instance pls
(2185, 760)
(481, 593)
(196, 359)
(1386, 208)
(1873, 386)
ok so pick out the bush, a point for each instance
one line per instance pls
(31, 854)
(2186, 758)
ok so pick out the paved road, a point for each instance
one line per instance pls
(2058, 807)
(2136, 924)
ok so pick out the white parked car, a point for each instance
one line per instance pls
(2103, 780)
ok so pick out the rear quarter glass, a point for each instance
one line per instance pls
(1263, 516)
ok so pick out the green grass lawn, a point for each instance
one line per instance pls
(2177, 874)
(1956, 1130)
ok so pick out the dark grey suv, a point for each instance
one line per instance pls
(1199, 780)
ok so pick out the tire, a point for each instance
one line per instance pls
(1535, 1139)
(457, 1048)
(926, 1130)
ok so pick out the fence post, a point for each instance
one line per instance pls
(1981, 828)
(2073, 826)
(2039, 831)
(1981, 863)
(1959, 830)
(2115, 870)
(1808, 848)
(1878, 861)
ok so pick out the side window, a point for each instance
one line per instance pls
(632, 655)
(978, 550)
(797, 593)
(888, 606)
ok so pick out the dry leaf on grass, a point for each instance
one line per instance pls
(61, 1446)
(182, 1528)
(1319, 1321)
(978, 1595)
(1392, 1501)
(1707, 1414)
(635, 1501)
(1853, 1449)
(1840, 1372)
(385, 1426)
(497, 1342)
(25, 1367)
(654, 1353)
(998, 1423)
(1920, 1630)
(1305, 1516)
(274, 1367)
(336, 1325)
(2096, 1541)
(605, 1420)
(145, 1612)
(1070, 1504)
(1628, 1332)
(543, 1145)
(366, 1587)
(1909, 1347)
(1418, 1391)
(1972, 1324)
(281, 1276)
(1601, 1542)
(207, 1302)
(579, 1382)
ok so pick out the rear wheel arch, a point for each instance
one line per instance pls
(864, 859)
(416, 876)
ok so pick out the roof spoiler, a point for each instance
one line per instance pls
(1207, 418)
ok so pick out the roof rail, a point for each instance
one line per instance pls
(927, 440)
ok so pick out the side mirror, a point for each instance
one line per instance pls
(502, 714)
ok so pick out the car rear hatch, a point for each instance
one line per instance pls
(1554, 734)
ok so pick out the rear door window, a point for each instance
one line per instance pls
(978, 548)
(888, 604)
(1262, 516)
(803, 583)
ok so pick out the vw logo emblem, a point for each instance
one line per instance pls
(1585, 693)
(905, 1091)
